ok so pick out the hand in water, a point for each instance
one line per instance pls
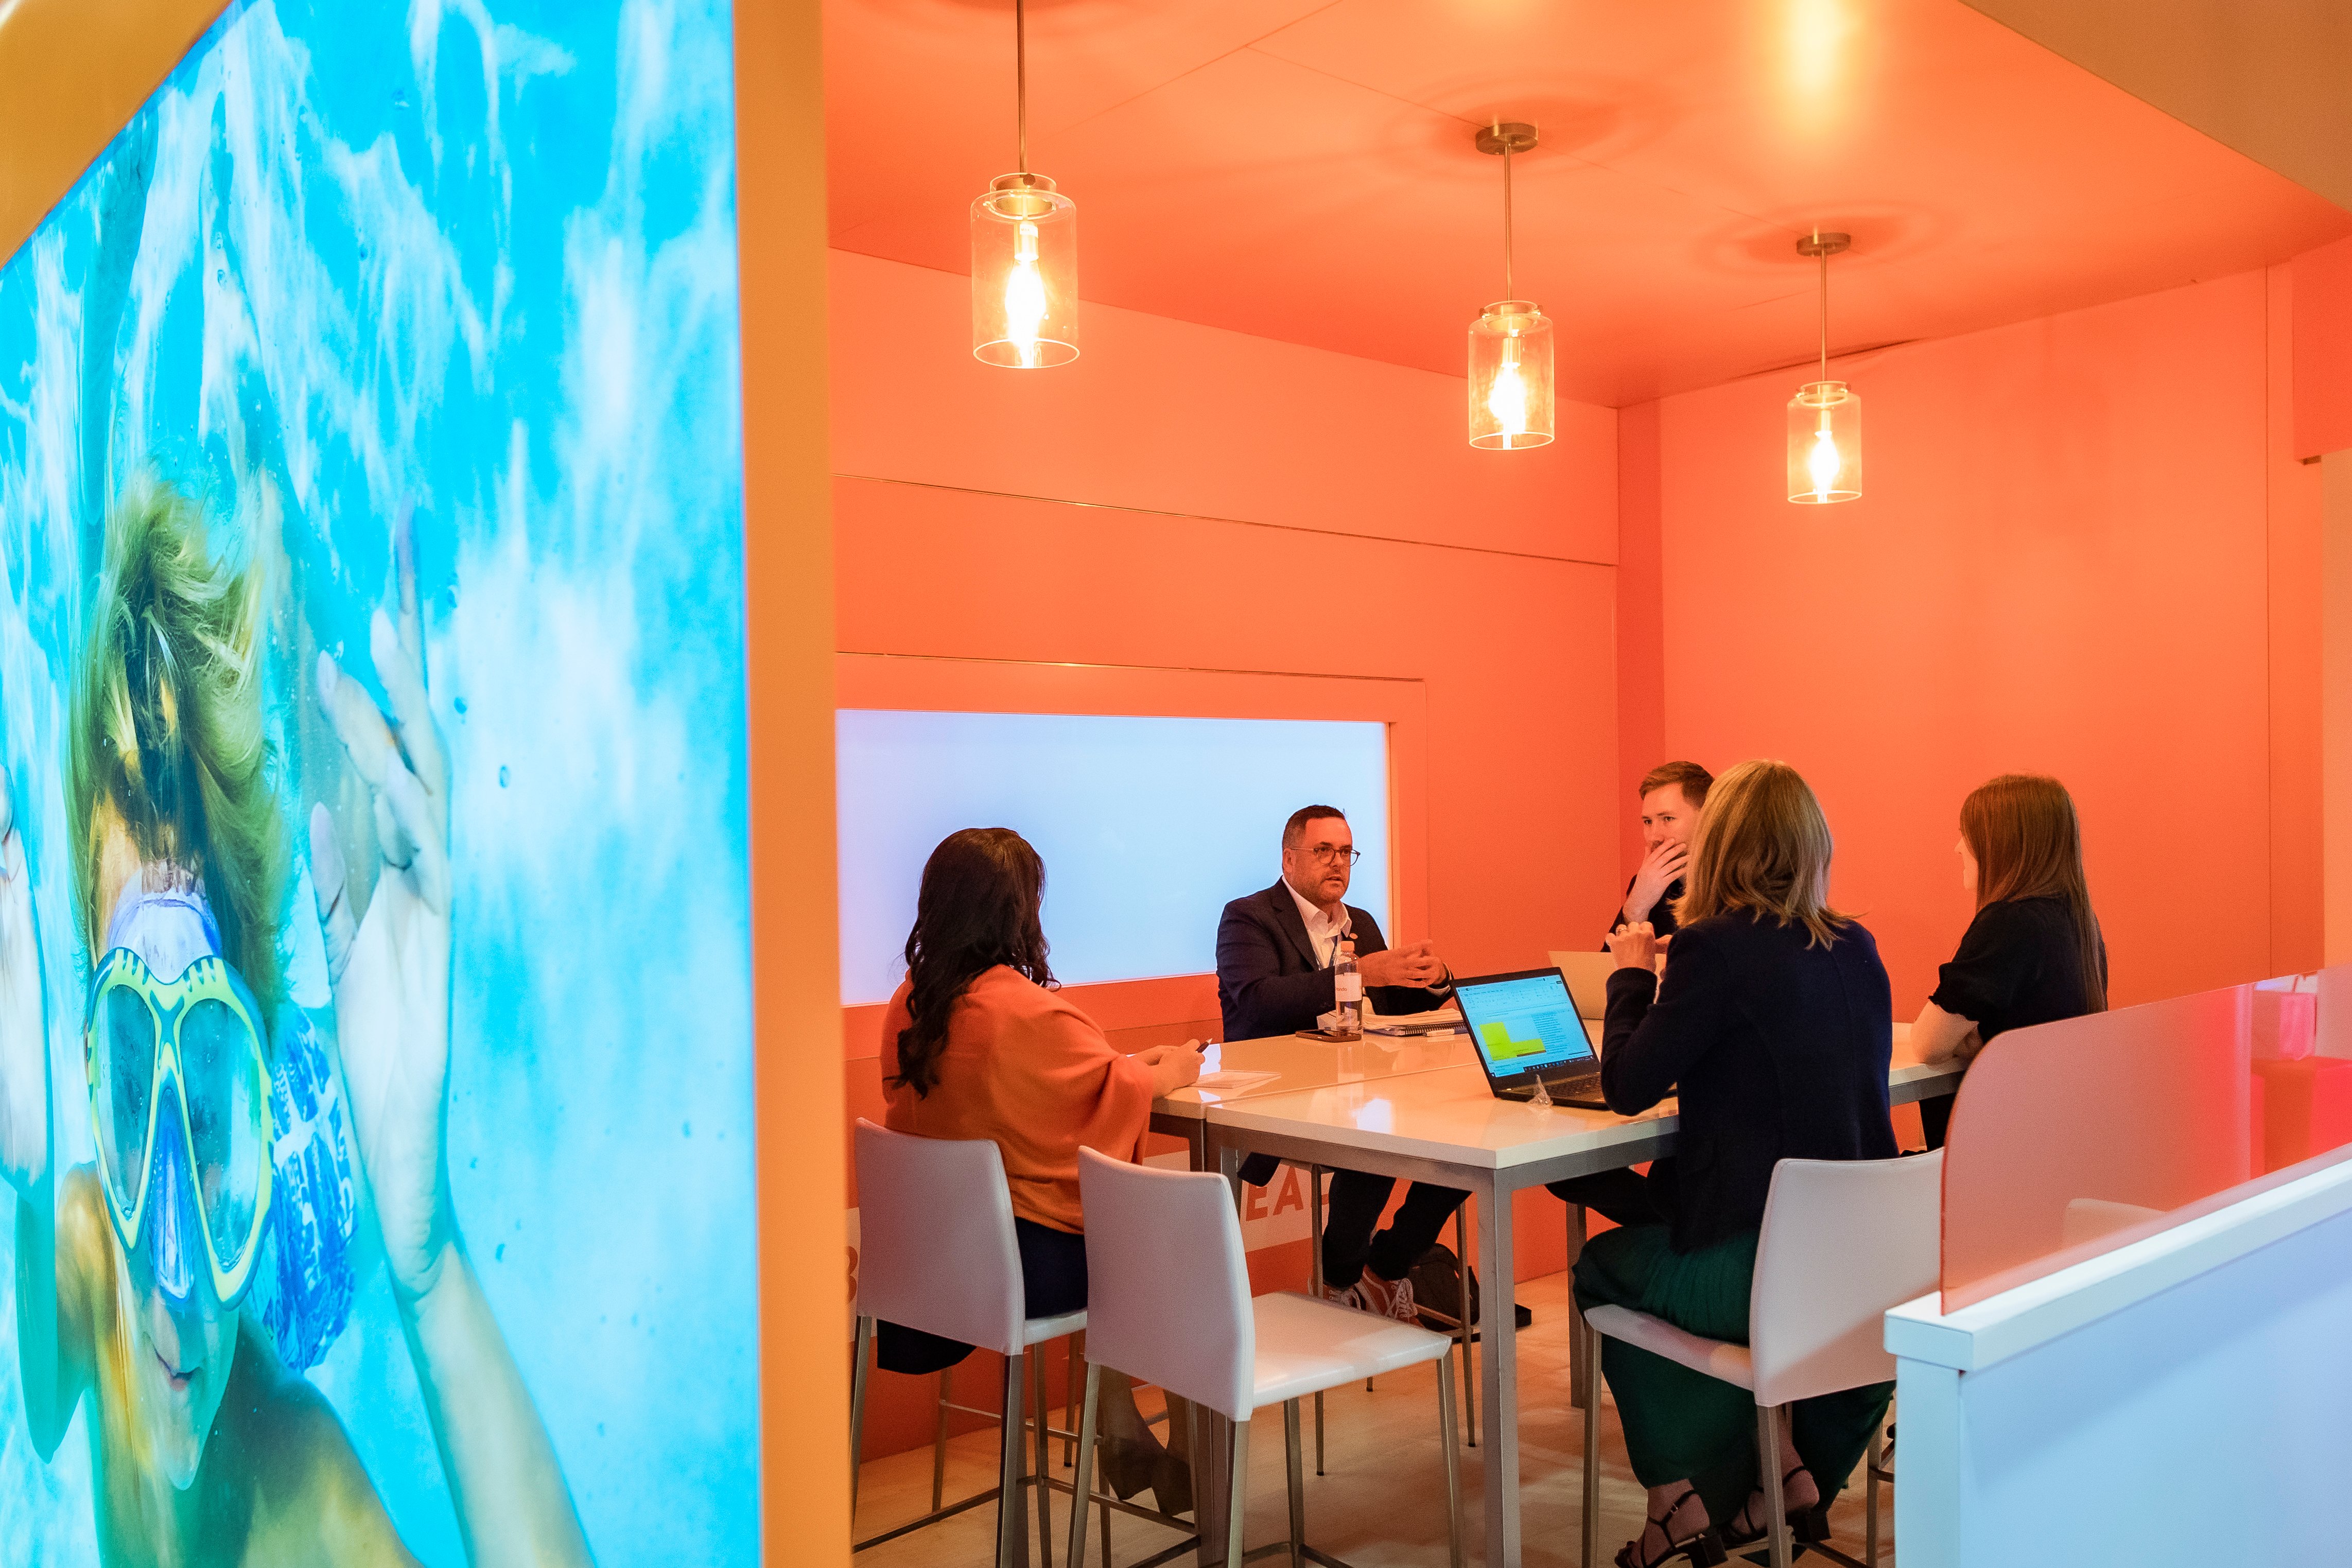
(390, 974)
(23, 1038)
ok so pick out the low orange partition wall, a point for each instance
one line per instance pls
(2069, 1140)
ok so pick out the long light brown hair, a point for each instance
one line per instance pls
(2027, 844)
(1763, 845)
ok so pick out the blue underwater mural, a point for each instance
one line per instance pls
(375, 1043)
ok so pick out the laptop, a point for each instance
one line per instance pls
(1586, 974)
(1530, 1041)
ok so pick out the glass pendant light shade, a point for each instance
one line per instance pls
(1824, 444)
(1510, 376)
(1024, 274)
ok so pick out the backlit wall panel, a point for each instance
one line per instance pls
(1148, 826)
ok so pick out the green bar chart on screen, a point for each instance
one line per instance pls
(1501, 1047)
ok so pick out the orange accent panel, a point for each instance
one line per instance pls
(2060, 566)
(2307, 1108)
(71, 76)
(788, 657)
(2323, 350)
(2062, 1131)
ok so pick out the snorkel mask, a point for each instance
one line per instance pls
(179, 1098)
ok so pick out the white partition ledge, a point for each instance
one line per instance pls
(2038, 1312)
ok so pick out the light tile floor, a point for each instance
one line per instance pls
(1381, 1501)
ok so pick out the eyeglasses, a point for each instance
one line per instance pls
(1334, 852)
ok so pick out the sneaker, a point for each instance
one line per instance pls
(1387, 1297)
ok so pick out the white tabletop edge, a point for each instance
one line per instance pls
(1992, 1330)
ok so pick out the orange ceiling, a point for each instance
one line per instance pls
(1303, 170)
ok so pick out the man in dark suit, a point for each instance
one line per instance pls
(1274, 955)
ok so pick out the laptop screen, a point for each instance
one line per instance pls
(1524, 1022)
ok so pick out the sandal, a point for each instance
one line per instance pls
(1809, 1526)
(1702, 1551)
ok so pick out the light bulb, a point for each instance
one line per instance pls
(1506, 400)
(1025, 295)
(1824, 462)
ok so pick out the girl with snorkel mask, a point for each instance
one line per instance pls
(182, 1279)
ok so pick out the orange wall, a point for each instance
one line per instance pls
(1253, 506)
(2323, 350)
(2063, 564)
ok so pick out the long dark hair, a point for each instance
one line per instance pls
(2028, 842)
(977, 908)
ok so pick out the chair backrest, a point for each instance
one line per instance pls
(1168, 1294)
(936, 1245)
(1844, 1241)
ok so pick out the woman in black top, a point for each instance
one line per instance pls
(2034, 953)
(1773, 1024)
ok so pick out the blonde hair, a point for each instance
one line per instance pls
(2027, 844)
(166, 731)
(1763, 845)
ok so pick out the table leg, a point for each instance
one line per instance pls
(1315, 1280)
(1212, 1445)
(1499, 1336)
(1580, 1354)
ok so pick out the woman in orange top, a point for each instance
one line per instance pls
(976, 1044)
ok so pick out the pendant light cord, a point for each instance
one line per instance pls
(1021, 77)
(1509, 290)
(1825, 308)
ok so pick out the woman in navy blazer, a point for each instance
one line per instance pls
(1773, 1024)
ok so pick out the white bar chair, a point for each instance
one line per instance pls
(1844, 1241)
(938, 1253)
(1168, 1300)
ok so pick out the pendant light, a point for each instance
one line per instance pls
(1024, 253)
(1825, 416)
(1511, 343)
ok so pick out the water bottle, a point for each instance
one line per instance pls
(1348, 985)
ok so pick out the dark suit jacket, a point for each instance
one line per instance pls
(1777, 1050)
(1270, 980)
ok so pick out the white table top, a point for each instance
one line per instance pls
(1449, 1114)
(1298, 1064)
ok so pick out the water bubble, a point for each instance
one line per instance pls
(461, 708)
(502, 778)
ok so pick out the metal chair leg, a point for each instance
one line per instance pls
(1462, 1326)
(1070, 1403)
(1580, 1361)
(1011, 1530)
(1081, 1479)
(1768, 1462)
(863, 1353)
(1314, 1280)
(1449, 1439)
(1237, 1499)
(1044, 1460)
(1870, 1497)
(1297, 1483)
(1592, 1443)
(939, 1443)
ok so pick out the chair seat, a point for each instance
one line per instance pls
(1718, 1359)
(1305, 1346)
(1037, 1331)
